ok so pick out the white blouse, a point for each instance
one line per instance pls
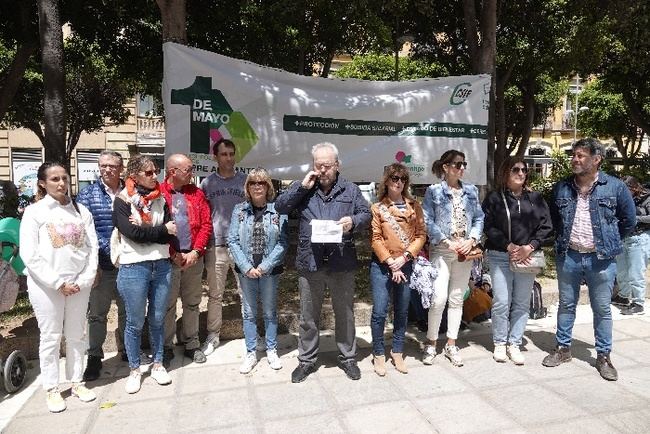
(58, 245)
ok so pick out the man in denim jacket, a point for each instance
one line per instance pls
(324, 195)
(592, 212)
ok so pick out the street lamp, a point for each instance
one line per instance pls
(577, 110)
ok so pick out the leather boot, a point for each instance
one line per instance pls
(379, 362)
(398, 361)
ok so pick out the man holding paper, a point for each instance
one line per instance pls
(331, 209)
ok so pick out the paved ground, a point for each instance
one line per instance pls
(482, 396)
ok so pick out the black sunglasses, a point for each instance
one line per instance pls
(396, 178)
(459, 165)
(150, 172)
(262, 183)
(518, 169)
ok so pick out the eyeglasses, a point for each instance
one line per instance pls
(185, 171)
(109, 166)
(150, 172)
(258, 183)
(326, 166)
(396, 179)
(459, 165)
(518, 169)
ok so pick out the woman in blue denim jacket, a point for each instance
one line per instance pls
(454, 220)
(258, 240)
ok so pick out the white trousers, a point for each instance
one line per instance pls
(58, 316)
(450, 286)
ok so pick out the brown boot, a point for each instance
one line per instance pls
(399, 363)
(379, 362)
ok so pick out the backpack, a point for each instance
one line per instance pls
(537, 309)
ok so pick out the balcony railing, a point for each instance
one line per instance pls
(151, 124)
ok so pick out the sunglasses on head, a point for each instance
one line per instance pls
(396, 178)
(259, 183)
(518, 169)
(459, 165)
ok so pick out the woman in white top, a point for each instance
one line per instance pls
(58, 245)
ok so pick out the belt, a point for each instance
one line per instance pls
(581, 249)
(221, 245)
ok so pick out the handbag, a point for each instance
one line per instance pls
(536, 262)
(477, 303)
(475, 253)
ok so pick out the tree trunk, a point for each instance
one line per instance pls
(51, 35)
(14, 75)
(482, 51)
(173, 14)
(327, 66)
(636, 112)
(529, 111)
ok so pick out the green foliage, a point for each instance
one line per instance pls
(382, 68)
(607, 115)
(560, 169)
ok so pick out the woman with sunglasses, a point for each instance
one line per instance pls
(397, 235)
(58, 244)
(142, 218)
(454, 221)
(530, 226)
(258, 239)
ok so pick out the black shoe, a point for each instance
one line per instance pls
(605, 367)
(168, 356)
(633, 309)
(617, 300)
(196, 355)
(350, 368)
(557, 357)
(302, 372)
(93, 368)
(423, 326)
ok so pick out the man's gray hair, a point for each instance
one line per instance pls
(592, 145)
(325, 145)
(109, 153)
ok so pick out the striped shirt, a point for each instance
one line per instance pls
(582, 234)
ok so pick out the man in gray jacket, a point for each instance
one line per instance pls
(324, 195)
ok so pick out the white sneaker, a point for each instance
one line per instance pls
(54, 400)
(133, 382)
(211, 343)
(451, 352)
(83, 393)
(500, 353)
(145, 362)
(428, 354)
(515, 355)
(250, 360)
(160, 374)
(273, 359)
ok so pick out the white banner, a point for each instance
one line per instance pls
(275, 117)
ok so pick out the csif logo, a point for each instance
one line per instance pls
(460, 93)
(211, 116)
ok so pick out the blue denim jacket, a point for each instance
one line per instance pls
(612, 211)
(240, 232)
(437, 209)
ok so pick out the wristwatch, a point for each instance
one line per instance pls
(198, 253)
(408, 256)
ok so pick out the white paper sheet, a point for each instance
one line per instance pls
(326, 231)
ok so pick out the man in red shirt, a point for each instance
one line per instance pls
(191, 213)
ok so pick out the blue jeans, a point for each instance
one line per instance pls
(267, 288)
(599, 275)
(631, 266)
(138, 283)
(511, 299)
(382, 285)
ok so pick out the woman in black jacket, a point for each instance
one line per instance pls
(530, 226)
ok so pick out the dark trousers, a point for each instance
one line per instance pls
(312, 291)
